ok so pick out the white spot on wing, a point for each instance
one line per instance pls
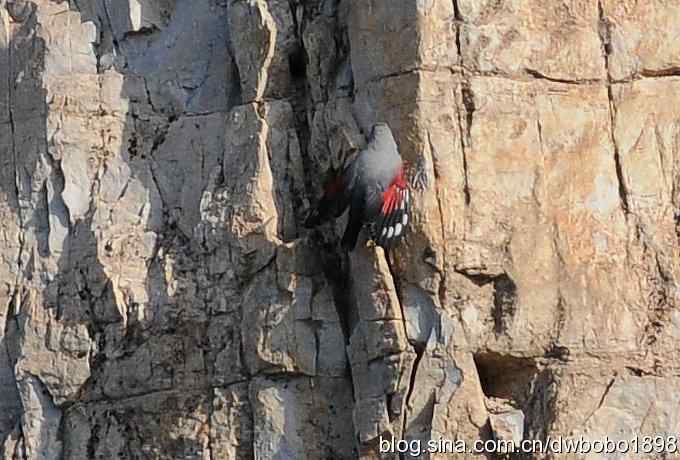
(383, 232)
(404, 220)
(397, 230)
(390, 232)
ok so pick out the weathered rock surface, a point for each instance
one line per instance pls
(161, 299)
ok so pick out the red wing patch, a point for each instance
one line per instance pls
(390, 225)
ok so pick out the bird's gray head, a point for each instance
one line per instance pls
(382, 140)
(380, 130)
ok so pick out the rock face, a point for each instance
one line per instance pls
(160, 298)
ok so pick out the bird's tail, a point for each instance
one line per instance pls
(354, 226)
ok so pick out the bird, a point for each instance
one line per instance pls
(373, 185)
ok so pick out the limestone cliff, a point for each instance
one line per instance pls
(160, 298)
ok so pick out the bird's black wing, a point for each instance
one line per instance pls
(390, 214)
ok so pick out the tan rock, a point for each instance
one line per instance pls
(520, 39)
(638, 43)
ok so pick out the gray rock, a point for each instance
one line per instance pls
(508, 425)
